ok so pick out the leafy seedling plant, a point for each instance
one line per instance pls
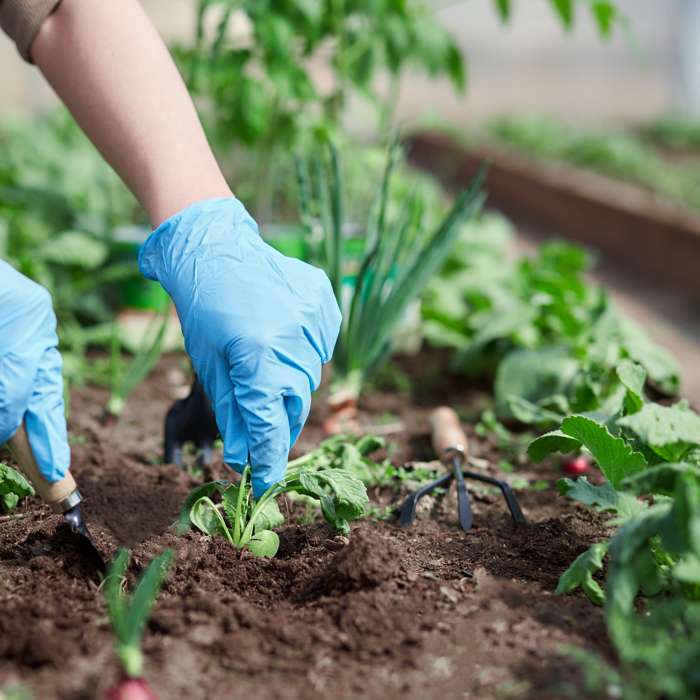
(13, 487)
(129, 614)
(643, 449)
(402, 252)
(342, 495)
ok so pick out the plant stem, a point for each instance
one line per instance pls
(248, 532)
(239, 507)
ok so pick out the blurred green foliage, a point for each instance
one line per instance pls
(619, 152)
(550, 338)
(59, 202)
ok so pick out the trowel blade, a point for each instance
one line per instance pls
(75, 517)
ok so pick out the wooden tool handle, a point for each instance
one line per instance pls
(447, 432)
(52, 493)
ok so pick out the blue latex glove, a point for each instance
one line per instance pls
(257, 325)
(31, 385)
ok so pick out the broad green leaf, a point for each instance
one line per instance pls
(659, 363)
(9, 501)
(13, 487)
(269, 516)
(632, 377)
(669, 431)
(556, 441)
(527, 412)
(687, 509)
(580, 573)
(632, 564)
(605, 497)
(687, 569)
(534, 375)
(614, 456)
(347, 502)
(660, 479)
(73, 248)
(205, 516)
(208, 490)
(264, 543)
(370, 443)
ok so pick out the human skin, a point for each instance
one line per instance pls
(113, 71)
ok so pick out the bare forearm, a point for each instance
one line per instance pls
(111, 68)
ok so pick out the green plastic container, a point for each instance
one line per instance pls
(137, 292)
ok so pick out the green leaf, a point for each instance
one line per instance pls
(605, 497)
(208, 490)
(269, 516)
(632, 377)
(73, 248)
(527, 412)
(503, 9)
(9, 501)
(604, 14)
(556, 441)
(13, 487)
(614, 456)
(264, 543)
(687, 569)
(208, 519)
(669, 431)
(534, 375)
(565, 11)
(347, 502)
(129, 613)
(659, 363)
(660, 479)
(580, 573)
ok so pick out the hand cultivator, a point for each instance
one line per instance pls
(63, 496)
(450, 443)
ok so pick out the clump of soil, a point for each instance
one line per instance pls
(430, 611)
(367, 561)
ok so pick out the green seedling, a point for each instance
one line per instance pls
(13, 487)
(402, 253)
(347, 452)
(250, 523)
(129, 614)
(142, 364)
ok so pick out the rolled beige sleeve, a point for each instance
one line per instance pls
(21, 19)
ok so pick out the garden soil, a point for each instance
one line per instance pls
(427, 612)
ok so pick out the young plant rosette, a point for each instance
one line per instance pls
(342, 495)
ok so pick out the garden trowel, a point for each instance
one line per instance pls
(62, 497)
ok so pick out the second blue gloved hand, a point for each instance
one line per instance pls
(257, 325)
(31, 385)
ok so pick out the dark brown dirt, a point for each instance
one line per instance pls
(426, 612)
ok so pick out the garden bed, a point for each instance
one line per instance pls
(628, 222)
(430, 611)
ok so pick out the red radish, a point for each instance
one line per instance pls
(131, 689)
(574, 466)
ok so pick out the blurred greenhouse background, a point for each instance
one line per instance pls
(584, 92)
(529, 64)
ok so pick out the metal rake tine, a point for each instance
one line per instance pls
(409, 507)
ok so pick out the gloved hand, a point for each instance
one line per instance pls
(31, 385)
(257, 325)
